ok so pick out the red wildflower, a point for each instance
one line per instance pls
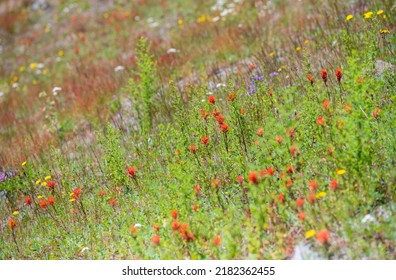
(174, 214)
(324, 76)
(252, 66)
(376, 113)
(289, 183)
(131, 171)
(338, 73)
(360, 80)
(240, 179)
(156, 239)
(224, 127)
(133, 229)
(197, 190)
(300, 202)
(281, 197)
(113, 202)
(193, 149)
(320, 121)
(311, 197)
(253, 177)
(291, 132)
(28, 200)
(216, 183)
(279, 139)
(313, 185)
(43, 204)
(326, 104)
(290, 169)
(212, 99)
(260, 132)
(216, 113)
(51, 200)
(205, 140)
(51, 185)
(242, 111)
(231, 96)
(156, 228)
(175, 225)
(11, 223)
(102, 193)
(216, 240)
(293, 151)
(76, 50)
(271, 171)
(323, 236)
(194, 208)
(204, 114)
(220, 119)
(301, 216)
(270, 93)
(333, 185)
(76, 193)
(310, 78)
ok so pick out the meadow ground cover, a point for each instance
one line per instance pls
(198, 130)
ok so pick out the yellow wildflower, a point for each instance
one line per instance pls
(180, 22)
(47, 29)
(384, 31)
(320, 195)
(15, 213)
(306, 42)
(310, 233)
(38, 182)
(341, 171)
(23, 163)
(201, 19)
(33, 65)
(47, 177)
(44, 184)
(72, 199)
(40, 197)
(380, 12)
(22, 68)
(106, 15)
(272, 54)
(368, 14)
(60, 53)
(348, 17)
(298, 49)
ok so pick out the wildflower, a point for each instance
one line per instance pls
(298, 49)
(51, 200)
(333, 184)
(279, 139)
(102, 193)
(293, 151)
(368, 14)
(60, 53)
(306, 42)
(310, 233)
(320, 195)
(15, 213)
(113, 202)
(320, 121)
(131, 171)
(11, 223)
(51, 185)
(289, 183)
(43, 204)
(205, 140)
(260, 132)
(323, 236)
(216, 240)
(194, 208)
(253, 177)
(231, 96)
(313, 185)
(76, 193)
(348, 17)
(28, 201)
(212, 99)
(301, 216)
(156, 228)
(324, 76)
(47, 177)
(360, 80)
(175, 225)
(384, 31)
(380, 12)
(220, 119)
(224, 127)
(270, 93)
(376, 113)
(44, 184)
(338, 73)
(40, 197)
(300, 202)
(133, 229)
(23, 163)
(174, 214)
(281, 198)
(272, 54)
(311, 197)
(240, 180)
(341, 171)
(197, 190)
(156, 239)
(252, 66)
(326, 104)
(311, 79)
(193, 149)
(271, 171)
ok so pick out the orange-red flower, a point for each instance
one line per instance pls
(313, 185)
(260, 132)
(212, 99)
(301, 216)
(253, 177)
(279, 139)
(156, 228)
(113, 202)
(311, 197)
(51, 185)
(231, 96)
(156, 239)
(28, 200)
(11, 223)
(320, 121)
(216, 183)
(220, 119)
(216, 240)
(326, 104)
(197, 190)
(205, 140)
(43, 204)
(271, 171)
(174, 214)
(293, 151)
(194, 208)
(224, 127)
(310, 79)
(376, 113)
(76, 193)
(333, 184)
(131, 171)
(281, 197)
(193, 149)
(338, 73)
(289, 183)
(240, 179)
(51, 200)
(102, 193)
(175, 225)
(300, 202)
(324, 76)
(133, 229)
(323, 236)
